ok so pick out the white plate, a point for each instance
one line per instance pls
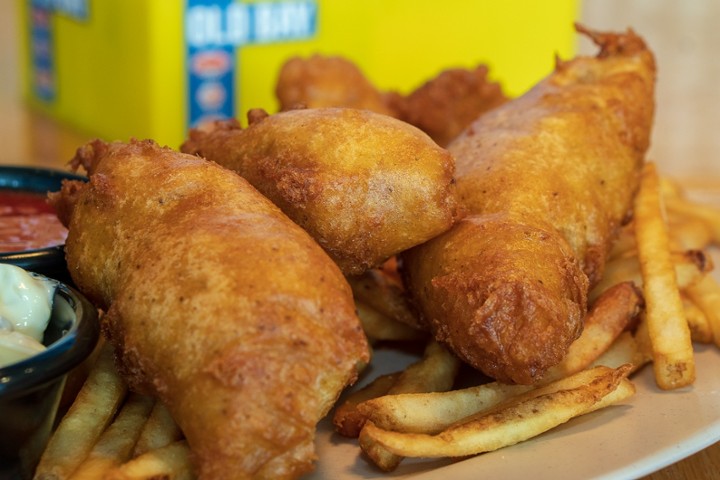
(647, 432)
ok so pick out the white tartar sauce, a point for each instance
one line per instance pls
(25, 309)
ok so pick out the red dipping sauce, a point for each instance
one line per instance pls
(27, 222)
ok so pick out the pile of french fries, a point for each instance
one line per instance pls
(656, 299)
(111, 433)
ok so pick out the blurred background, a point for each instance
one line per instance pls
(683, 36)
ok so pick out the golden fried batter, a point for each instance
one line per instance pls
(366, 186)
(548, 178)
(321, 81)
(216, 303)
(445, 105)
(441, 107)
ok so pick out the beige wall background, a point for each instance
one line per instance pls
(685, 36)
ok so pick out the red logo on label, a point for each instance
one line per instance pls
(211, 63)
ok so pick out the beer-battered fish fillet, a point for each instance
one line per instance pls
(445, 105)
(548, 178)
(327, 81)
(216, 303)
(366, 186)
(441, 107)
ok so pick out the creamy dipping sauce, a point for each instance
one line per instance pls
(25, 310)
(27, 222)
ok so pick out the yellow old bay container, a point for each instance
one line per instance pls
(151, 68)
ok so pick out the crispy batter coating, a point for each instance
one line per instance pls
(441, 107)
(327, 81)
(216, 302)
(557, 167)
(445, 105)
(501, 294)
(366, 186)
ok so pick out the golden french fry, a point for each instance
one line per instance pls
(623, 351)
(613, 312)
(624, 245)
(435, 372)
(171, 462)
(378, 326)
(673, 360)
(619, 270)
(688, 233)
(77, 377)
(380, 456)
(700, 329)
(689, 265)
(116, 443)
(642, 338)
(706, 295)
(670, 188)
(435, 411)
(80, 428)
(706, 213)
(348, 421)
(512, 422)
(384, 293)
(159, 430)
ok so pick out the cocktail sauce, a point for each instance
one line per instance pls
(28, 222)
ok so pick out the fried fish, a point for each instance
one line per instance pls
(216, 303)
(548, 179)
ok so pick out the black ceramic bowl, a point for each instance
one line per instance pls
(30, 390)
(48, 261)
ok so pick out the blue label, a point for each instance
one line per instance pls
(42, 65)
(77, 9)
(42, 49)
(214, 29)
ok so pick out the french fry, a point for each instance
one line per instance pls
(79, 430)
(624, 351)
(709, 215)
(384, 293)
(619, 270)
(116, 443)
(159, 430)
(512, 422)
(689, 265)
(612, 313)
(171, 462)
(670, 188)
(688, 233)
(379, 455)
(673, 360)
(642, 338)
(706, 295)
(700, 329)
(435, 411)
(435, 372)
(378, 326)
(348, 421)
(624, 245)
